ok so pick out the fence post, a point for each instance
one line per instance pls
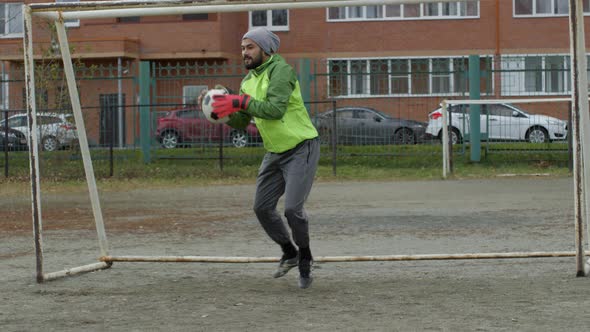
(5, 144)
(475, 110)
(305, 79)
(144, 110)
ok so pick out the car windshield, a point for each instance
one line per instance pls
(342, 110)
(518, 108)
(387, 116)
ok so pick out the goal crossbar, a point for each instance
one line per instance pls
(106, 9)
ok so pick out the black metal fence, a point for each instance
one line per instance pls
(361, 107)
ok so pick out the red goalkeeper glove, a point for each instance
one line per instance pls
(225, 105)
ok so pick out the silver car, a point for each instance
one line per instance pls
(499, 122)
(55, 130)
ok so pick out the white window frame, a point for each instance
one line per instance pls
(366, 82)
(191, 92)
(534, 13)
(269, 24)
(4, 92)
(6, 13)
(70, 23)
(421, 16)
(513, 75)
(447, 76)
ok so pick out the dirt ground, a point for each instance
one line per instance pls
(350, 218)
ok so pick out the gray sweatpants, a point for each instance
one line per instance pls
(290, 173)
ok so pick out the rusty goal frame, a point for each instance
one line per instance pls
(62, 11)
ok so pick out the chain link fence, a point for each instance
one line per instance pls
(361, 107)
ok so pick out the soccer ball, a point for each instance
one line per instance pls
(207, 108)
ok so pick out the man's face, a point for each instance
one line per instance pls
(252, 54)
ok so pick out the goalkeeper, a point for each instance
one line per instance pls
(271, 95)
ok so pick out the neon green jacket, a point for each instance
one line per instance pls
(276, 105)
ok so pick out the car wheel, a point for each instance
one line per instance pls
(537, 135)
(49, 143)
(404, 136)
(239, 138)
(170, 140)
(455, 136)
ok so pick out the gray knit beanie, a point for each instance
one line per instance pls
(266, 39)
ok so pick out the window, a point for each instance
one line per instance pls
(461, 75)
(277, 20)
(419, 77)
(556, 74)
(336, 13)
(70, 23)
(17, 121)
(378, 77)
(535, 75)
(189, 115)
(358, 75)
(195, 17)
(528, 8)
(190, 93)
(374, 12)
(347, 114)
(4, 104)
(400, 76)
(355, 12)
(414, 76)
(11, 18)
(47, 120)
(499, 110)
(361, 114)
(393, 11)
(338, 77)
(441, 75)
(436, 10)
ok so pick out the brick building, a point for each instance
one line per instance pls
(402, 59)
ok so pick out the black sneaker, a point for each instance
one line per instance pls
(305, 276)
(286, 265)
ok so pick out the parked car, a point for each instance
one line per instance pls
(364, 125)
(12, 140)
(189, 125)
(55, 130)
(500, 122)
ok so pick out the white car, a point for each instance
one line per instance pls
(55, 129)
(499, 122)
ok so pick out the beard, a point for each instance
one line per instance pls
(253, 62)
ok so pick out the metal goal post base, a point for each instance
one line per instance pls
(107, 261)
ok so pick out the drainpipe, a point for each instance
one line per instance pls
(120, 102)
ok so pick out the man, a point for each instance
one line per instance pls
(271, 95)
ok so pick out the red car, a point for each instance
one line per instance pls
(189, 125)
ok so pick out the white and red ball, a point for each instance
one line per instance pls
(207, 108)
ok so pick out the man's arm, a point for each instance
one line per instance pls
(239, 120)
(281, 85)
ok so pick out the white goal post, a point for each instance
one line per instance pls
(62, 11)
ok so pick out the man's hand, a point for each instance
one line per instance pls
(225, 105)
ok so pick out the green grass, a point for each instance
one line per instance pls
(202, 165)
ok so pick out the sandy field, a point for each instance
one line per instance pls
(347, 218)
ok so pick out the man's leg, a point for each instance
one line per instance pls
(299, 174)
(270, 185)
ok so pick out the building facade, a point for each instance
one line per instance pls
(401, 59)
